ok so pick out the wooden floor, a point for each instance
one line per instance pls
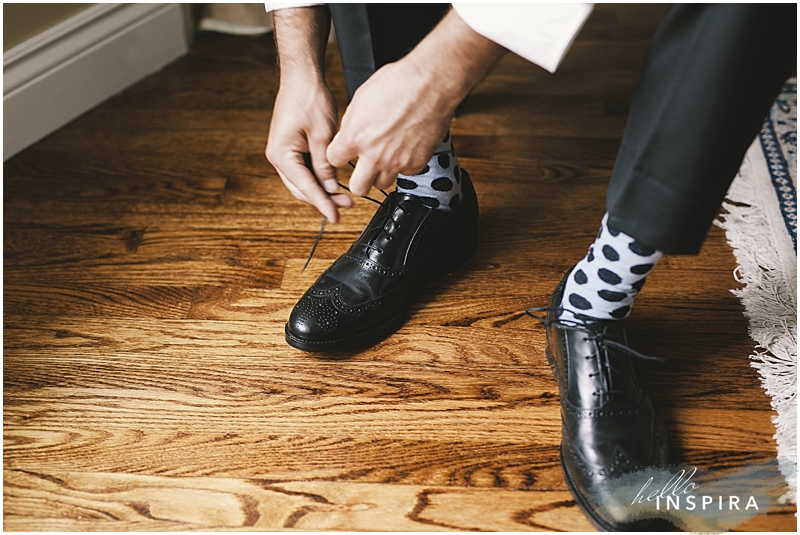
(152, 257)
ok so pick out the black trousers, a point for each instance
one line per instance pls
(372, 35)
(709, 78)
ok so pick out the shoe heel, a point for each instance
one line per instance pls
(463, 249)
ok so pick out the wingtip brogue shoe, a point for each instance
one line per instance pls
(610, 424)
(366, 293)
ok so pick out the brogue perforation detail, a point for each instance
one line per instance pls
(318, 309)
(591, 413)
(336, 301)
(657, 438)
(582, 466)
(374, 266)
(621, 463)
(333, 296)
(323, 293)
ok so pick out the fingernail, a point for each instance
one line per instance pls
(331, 186)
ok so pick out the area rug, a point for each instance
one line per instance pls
(761, 226)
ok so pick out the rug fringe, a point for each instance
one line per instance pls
(771, 307)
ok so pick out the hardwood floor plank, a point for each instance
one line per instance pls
(71, 298)
(474, 464)
(171, 270)
(69, 500)
(117, 502)
(281, 457)
(449, 418)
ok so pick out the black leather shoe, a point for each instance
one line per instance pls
(610, 425)
(365, 295)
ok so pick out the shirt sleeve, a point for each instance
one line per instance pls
(540, 33)
(274, 6)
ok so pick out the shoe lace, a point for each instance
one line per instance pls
(597, 334)
(380, 229)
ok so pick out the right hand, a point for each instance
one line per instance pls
(304, 121)
(395, 121)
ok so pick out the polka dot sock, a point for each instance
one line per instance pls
(604, 284)
(439, 184)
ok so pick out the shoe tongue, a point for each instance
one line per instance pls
(413, 201)
(388, 236)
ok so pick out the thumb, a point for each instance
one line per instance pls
(339, 151)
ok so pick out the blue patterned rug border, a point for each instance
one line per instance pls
(779, 171)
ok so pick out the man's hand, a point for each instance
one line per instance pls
(303, 122)
(401, 113)
(393, 125)
(304, 118)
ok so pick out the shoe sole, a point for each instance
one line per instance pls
(355, 341)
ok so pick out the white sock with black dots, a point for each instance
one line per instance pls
(439, 184)
(604, 284)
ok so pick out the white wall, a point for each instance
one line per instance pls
(61, 73)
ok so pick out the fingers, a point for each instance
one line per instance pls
(324, 171)
(364, 176)
(340, 151)
(342, 201)
(339, 154)
(366, 173)
(304, 186)
(385, 180)
(339, 199)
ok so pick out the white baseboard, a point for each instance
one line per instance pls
(65, 71)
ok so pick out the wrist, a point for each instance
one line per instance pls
(301, 36)
(302, 78)
(453, 59)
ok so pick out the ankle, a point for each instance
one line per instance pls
(605, 283)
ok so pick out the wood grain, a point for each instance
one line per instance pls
(66, 500)
(152, 257)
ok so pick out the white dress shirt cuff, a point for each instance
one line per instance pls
(272, 6)
(540, 33)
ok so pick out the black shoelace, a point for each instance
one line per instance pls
(597, 334)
